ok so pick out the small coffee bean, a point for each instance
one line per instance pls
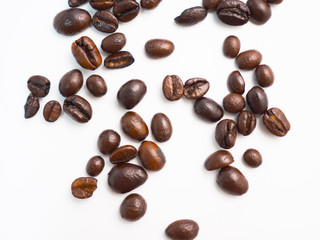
(96, 85)
(276, 122)
(184, 229)
(95, 166)
(232, 181)
(123, 154)
(236, 83)
(119, 60)
(195, 88)
(257, 100)
(218, 159)
(233, 12)
(126, 10)
(71, 83)
(71, 21)
(161, 127)
(77, 108)
(83, 187)
(131, 93)
(249, 59)
(39, 85)
(149, 4)
(246, 122)
(252, 157)
(104, 21)
(264, 75)
(231, 46)
(208, 109)
(158, 48)
(226, 133)
(260, 11)
(125, 177)
(76, 3)
(210, 4)
(134, 126)
(191, 16)
(275, 1)
(102, 4)
(52, 111)
(234, 103)
(108, 141)
(172, 87)
(133, 207)
(113, 43)
(151, 156)
(32, 106)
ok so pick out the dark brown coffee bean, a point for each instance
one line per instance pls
(96, 85)
(39, 85)
(172, 87)
(232, 181)
(246, 122)
(233, 12)
(161, 127)
(77, 108)
(83, 187)
(119, 60)
(151, 156)
(86, 53)
(184, 229)
(260, 11)
(134, 126)
(210, 4)
(104, 21)
(252, 157)
(234, 103)
(257, 100)
(52, 111)
(76, 3)
(71, 21)
(131, 93)
(276, 122)
(71, 83)
(108, 141)
(236, 83)
(195, 88)
(158, 48)
(275, 1)
(113, 43)
(149, 4)
(125, 177)
(133, 207)
(126, 10)
(191, 16)
(226, 133)
(102, 4)
(32, 106)
(123, 154)
(208, 109)
(95, 166)
(264, 75)
(249, 59)
(231, 46)
(218, 159)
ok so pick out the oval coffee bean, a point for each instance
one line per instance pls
(83, 187)
(276, 122)
(119, 60)
(233, 12)
(275, 1)
(249, 59)
(125, 177)
(172, 87)
(76, 3)
(191, 16)
(123, 154)
(134, 126)
(71, 21)
(208, 109)
(131, 93)
(158, 48)
(236, 83)
(39, 85)
(104, 21)
(257, 100)
(210, 4)
(231, 46)
(260, 11)
(32, 106)
(226, 133)
(149, 4)
(246, 122)
(102, 4)
(108, 141)
(133, 207)
(218, 159)
(232, 181)
(234, 103)
(195, 88)
(96, 85)
(77, 108)
(252, 157)
(126, 10)
(264, 75)
(71, 83)
(161, 127)
(95, 166)
(52, 111)
(113, 43)
(184, 229)
(151, 156)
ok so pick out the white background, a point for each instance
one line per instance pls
(39, 160)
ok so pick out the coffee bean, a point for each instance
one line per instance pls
(236, 83)
(195, 88)
(133, 207)
(231, 46)
(71, 83)
(264, 75)
(32, 106)
(119, 60)
(234, 103)
(149, 4)
(83, 187)
(191, 16)
(233, 12)
(246, 122)
(252, 157)
(226, 133)
(184, 229)
(218, 159)
(131, 93)
(39, 85)
(77, 108)
(76, 3)
(161, 127)
(134, 126)
(260, 11)
(102, 4)
(125, 177)
(52, 111)
(208, 109)
(113, 43)
(275, 1)
(232, 181)
(257, 100)
(276, 122)
(123, 154)
(158, 48)
(151, 156)
(108, 141)
(105, 21)
(86, 53)
(210, 4)
(126, 10)
(95, 166)
(249, 59)
(71, 21)
(172, 87)
(96, 85)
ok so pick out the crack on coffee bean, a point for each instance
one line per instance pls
(129, 10)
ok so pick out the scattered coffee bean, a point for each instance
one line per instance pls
(108, 141)
(151, 156)
(39, 85)
(123, 154)
(95, 166)
(210, 4)
(113, 43)
(184, 229)
(236, 83)
(233, 12)
(77, 108)
(191, 16)
(264, 75)
(32, 106)
(126, 10)
(232, 181)
(104, 21)
(208, 109)
(102, 4)
(71, 83)
(218, 159)
(83, 187)
(172, 87)
(161, 127)
(257, 100)
(252, 157)
(226, 133)
(195, 88)
(131, 93)
(276, 122)
(52, 111)
(231, 46)
(275, 1)
(119, 60)
(158, 48)
(246, 122)
(234, 103)
(134, 126)
(96, 85)
(249, 59)
(149, 4)
(260, 11)
(133, 207)
(76, 3)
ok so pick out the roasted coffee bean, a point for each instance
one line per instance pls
(102, 4)
(123, 154)
(39, 85)
(113, 43)
(151, 156)
(233, 12)
(236, 83)
(134, 126)
(275, 1)
(210, 4)
(131, 93)
(161, 127)
(108, 141)
(191, 16)
(133, 207)
(52, 111)
(184, 229)
(195, 88)
(249, 59)
(276, 122)
(208, 109)
(84, 187)
(264, 75)
(149, 4)
(231, 46)
(234, 103)
(126, 10)
(232, 181)
(257, 100)
(105, 21)
(252, 157)
(172, 87)
(125, 177)
(71, 83)
(158, 48)
(71, 21)
(96, 85)
(32, 106)
(119, 60)
(218, 159)
(76, 3)
(226, 133)
(246, 122)
(260, 11)
(95, 166)
(77, 108)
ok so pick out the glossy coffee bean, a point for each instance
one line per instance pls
(236, 83)
(257, 100)
(231, 46)
(133, 207)
(78, 108)
(158, 48)
(102, 4)
(234, 103)
(191, 16)
(264, 75)
(76, 3)
(260, 11)
(71, 21)
(184, 229)
(249, 59)
(52, 111)
(131, 93)
(172, 87)
(149, 4)
(218, 159)
(226, 133)
(161, 127)
(195, 88)
(95, 166)
(125, 177)
(233, 12)
(39, 86)
(232, 181)
(108, 141)
(252, 157)
(126, 10)
(210, 4)
(104, 21)
(208, 109)
(123, 154)
(275, 1)
(96, 85)
(31, 106)
(119, 60)
(246, 122)
(151, 156)
(70, 83)
(134, 126)
(83, 187)
(276, 122)
(113, 43)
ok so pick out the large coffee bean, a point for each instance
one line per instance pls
(236, 83)
(32, 106)
(252, 157)
(102, 4)
(149, 4)
(131, 93)
(52, 111)
(95, 166)
(210, 4)
(123, 154)
(158, 48)
(71, 83)
(134, 126)
(208, 109)
(276, 122)
(172, 87)
(249, 59)
(233, 12)
(231, 46)
(105, 21)
(39, 85)
(257, 100)
(195, 88)
(133, 207)
(119, 60)
(226, 133)
(264, 75)
(246, 122)
(108, 141)
(113, 43)
(126, 10)
(96, 85)
(218, 159)
(151, 156)
(191, 16)
(184, 229)
(161, 127)
(234, 103)
(83, 187)
(260, 11)
(77, 108)
(76, 3)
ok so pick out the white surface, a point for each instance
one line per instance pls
(39, 160)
